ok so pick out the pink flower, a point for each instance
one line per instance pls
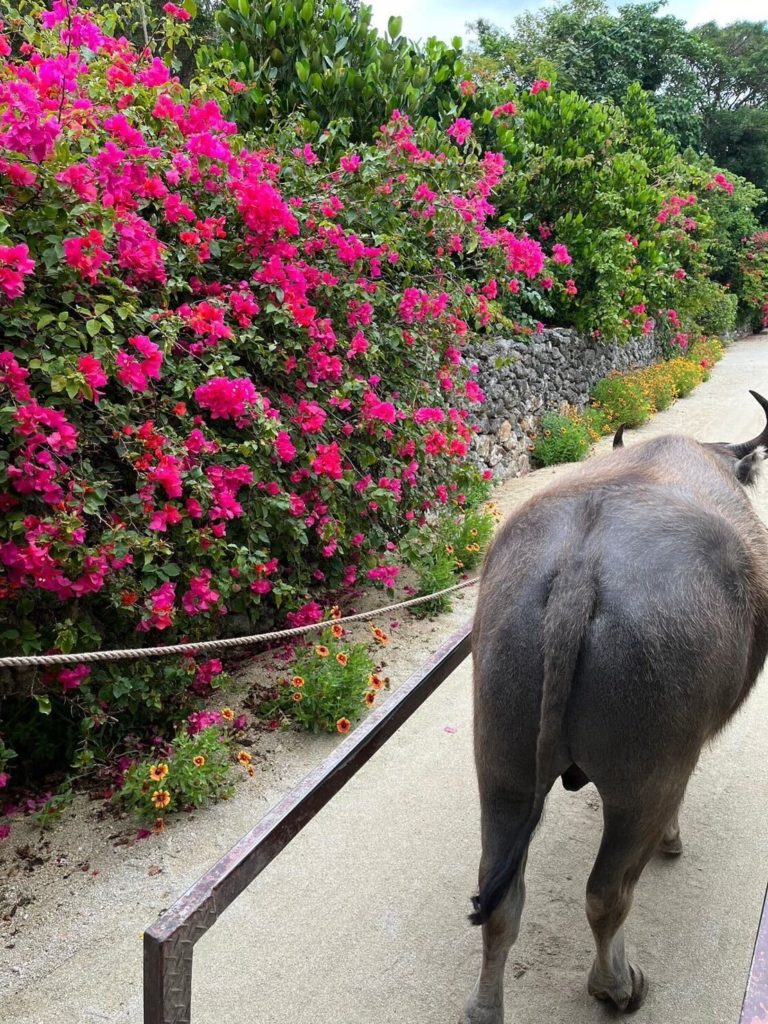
(306, 615)
(176, 12)
(350, 164)
(5, 831)
(86, 254)
(71, 678)
(327, 462)
(226, 398)
(384, 574)
(310, 417)
(539, 86)
(467, 88)
(94, 374)
(570, 287)
(460, 130)
(15, 265)
(284, 447)
(560, 254)
(4, 779)
(506, 109)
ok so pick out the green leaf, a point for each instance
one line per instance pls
(43, 703)
(394, 26)
(92, 327)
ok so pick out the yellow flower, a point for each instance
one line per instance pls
(297, 681)
(228, 714)
(322, 651)
(342, 659)
(298, 695)
(161, 798)
(335, 612)
(158, 772)
(198, 761)
(244, 757)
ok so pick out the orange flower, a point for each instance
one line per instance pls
(449, 549)
(159, 824)
(335, 612)
(228, 714)
(158, 772)
(297, 681)
(128, 597)
(337, 630)
(342, 659)
(380, 636)
(244, 758)
(298, 695)
(343, 726)
(376, 682)
(198, 761)
(369, 697)
(322, 651)
(161, 798)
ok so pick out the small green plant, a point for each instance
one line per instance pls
(469, 536)
(196, 769)
(562, 439)
(430, 551)
(332, 681)
(594, 420)
(622, 399)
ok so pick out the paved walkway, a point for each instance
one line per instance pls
(362, 919)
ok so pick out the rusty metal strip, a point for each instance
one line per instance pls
(755, 1007)
(169, 943)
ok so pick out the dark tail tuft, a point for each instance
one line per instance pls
(494, 888)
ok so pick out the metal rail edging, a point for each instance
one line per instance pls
(754, 1009)
(170, 941)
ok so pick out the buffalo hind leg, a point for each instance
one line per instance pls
(502, 820)
(629, 840)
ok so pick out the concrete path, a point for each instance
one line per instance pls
(362, 919)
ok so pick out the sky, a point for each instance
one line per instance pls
(448, 18)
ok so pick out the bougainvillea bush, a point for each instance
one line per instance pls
(231, 372)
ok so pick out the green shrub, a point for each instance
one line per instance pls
(713, 308)
(622, 399)
(193, 770)
(595, 422)
(561, 439)
(332, 681)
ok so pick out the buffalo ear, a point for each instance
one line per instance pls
(748, 469)
(618, 437)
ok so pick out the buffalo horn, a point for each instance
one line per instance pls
(618, 437)
(740, 450)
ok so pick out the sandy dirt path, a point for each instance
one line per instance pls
(363, 918)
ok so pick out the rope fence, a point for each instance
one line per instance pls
(204, 646)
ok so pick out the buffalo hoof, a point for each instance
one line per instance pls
(671, 846)
(623, 998)
(477, 1014)
(482, 1015)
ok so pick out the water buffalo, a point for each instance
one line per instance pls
(622, 619)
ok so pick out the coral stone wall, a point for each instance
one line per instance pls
(522, 380)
